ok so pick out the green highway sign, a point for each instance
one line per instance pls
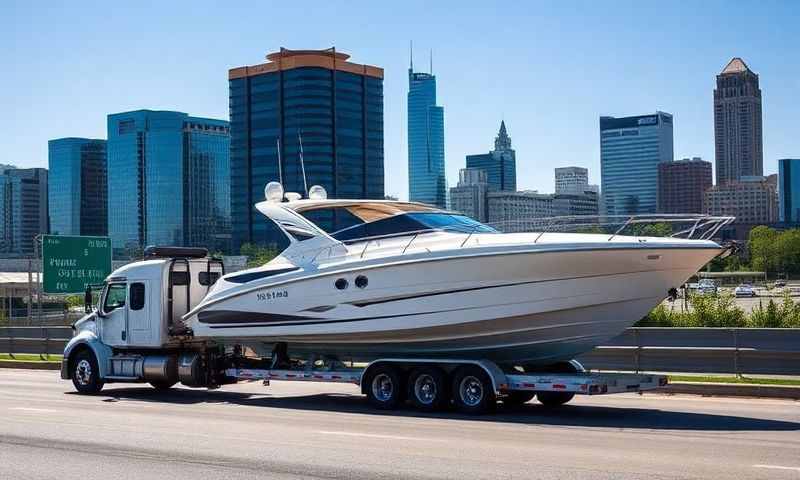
(70, 263)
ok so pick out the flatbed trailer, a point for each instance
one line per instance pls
(474, 386)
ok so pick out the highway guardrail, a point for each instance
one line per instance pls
(768, 351)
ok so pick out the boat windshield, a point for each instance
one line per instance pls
(412, 222)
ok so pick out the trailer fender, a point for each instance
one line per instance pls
(86, 339)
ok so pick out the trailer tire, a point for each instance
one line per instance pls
(162, 386)
(556, 399)
(84, 372)
(518, 398)
(384, 387)
(473, 392)
(427, 389)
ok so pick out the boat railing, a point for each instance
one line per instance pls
(700, 227)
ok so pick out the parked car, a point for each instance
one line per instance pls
(745, 290)
(706, 287)
(780, 283)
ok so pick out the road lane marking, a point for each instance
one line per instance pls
(778, 467)
(374, 435)
(37, 410)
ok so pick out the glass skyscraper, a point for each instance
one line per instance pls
(168, 181)
(77, 190)
(630, 150)
(23, 209)
(314, 98)
(789, 189)
(500, 164)
(426, 177)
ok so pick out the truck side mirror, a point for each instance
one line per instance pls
(87, 299)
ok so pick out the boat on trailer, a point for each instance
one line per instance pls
(409, 280)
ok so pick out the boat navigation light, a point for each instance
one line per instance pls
(317, 192)
(273, 192)
(293, 196)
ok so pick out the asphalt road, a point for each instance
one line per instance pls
(294, 430)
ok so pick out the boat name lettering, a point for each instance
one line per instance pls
(271, 295)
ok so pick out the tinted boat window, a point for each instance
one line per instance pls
(413, 222)
(332, 219)
(447, 221)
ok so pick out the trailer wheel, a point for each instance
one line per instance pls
(384, 387)
(162, 386)
(427, 389)
(518, 398)
(473, 392)
(85, 374)
(555, 399)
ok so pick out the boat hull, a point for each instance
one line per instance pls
(523, 308)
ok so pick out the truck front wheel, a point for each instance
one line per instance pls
(162, 386)
(85, 374)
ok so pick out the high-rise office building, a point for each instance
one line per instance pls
(631, 149)
(500, 164)
(682, 185)
(168, 181)
(737, 123)
(789, 190)
(77, 191)
(426, 177)
(314, 99)
(23, 209)
(469, 196)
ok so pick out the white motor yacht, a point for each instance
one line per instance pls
(409, 280)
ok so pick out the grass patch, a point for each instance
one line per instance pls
(29, 357)
(747, 380)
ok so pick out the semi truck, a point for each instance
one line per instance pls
(135, 333)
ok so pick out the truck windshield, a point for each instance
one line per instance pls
(115, 297)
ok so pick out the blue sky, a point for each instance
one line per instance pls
(550, 69)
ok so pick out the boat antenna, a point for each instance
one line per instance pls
(280, 168)
(302, 163)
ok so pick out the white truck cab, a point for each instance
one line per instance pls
(137, 321)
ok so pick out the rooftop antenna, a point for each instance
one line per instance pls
(302, 163)
(280, 168)
(411, 55)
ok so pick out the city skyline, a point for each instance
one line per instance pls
(496, 86)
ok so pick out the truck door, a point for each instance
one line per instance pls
(114, 321)
(140, 313)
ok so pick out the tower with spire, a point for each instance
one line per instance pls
(500, 164)
(503, 141)
(737, 123)
(426, 174)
